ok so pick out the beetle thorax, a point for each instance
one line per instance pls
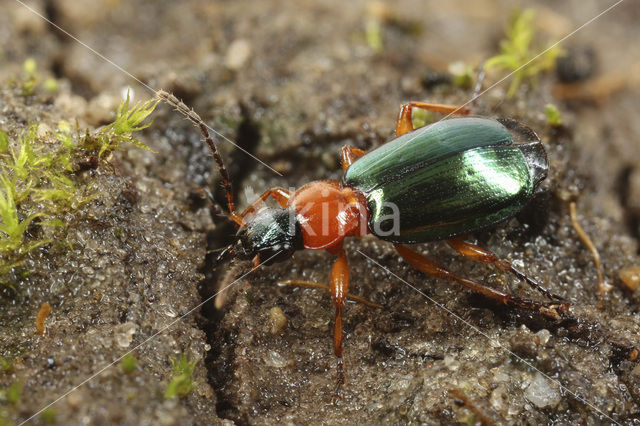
(327, 213)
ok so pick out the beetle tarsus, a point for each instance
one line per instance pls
(340, 380)
(480, 254)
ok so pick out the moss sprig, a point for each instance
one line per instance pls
(38, 183)
(128, 121)
(181, 383)
(518, 48)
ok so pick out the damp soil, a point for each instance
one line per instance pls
(291, 85)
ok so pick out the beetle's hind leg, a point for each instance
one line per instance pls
(349, 154)
(404, 122)
(479, 254)
(429, 267)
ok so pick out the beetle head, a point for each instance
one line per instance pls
(272, 234)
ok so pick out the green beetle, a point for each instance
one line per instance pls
(434, 183)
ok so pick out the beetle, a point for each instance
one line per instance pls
(437, 182)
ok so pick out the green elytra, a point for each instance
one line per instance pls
(450, 178)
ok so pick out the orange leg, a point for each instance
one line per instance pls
(280, 194)
(404, 123)
(339, 289)
(479, 254)
(349, 154)
(550, 309)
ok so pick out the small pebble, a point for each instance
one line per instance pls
(124, 334)
(26, 21)
(274, 359)
(543, 336)
(238, 54)
(74, 399)
(44, 131)
(277, 320)
(541, 392)
(578, 64)
(630, 277)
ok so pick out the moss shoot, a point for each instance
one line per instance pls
(39, 182)
(181, 383)
(520, 55)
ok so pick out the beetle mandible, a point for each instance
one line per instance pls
(446, 180)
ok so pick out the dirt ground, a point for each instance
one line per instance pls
(291, 84)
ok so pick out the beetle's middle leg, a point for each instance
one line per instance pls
(339, 279)
(429, 267)
(479, 254)
(404, 122)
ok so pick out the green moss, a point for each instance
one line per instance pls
(38, 183)
(12, 227)
(29, 67)
(4, 419)
(553, 115)
(128, 120)
(12, 393)
(30, 80)
(421, 117)
(49, 416)
(128, 364)
(6, 365)
(462, 75)
(182, 381)
(50, 85)
(4, 142)
(373, 34)
(518, 49)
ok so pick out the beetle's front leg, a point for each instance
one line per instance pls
(479, 254)
(339, 289)
(281, 195)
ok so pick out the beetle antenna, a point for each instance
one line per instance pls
(195, 119)
(218, 210)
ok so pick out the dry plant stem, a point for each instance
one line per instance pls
(45, 310)
(601, 88)
(602, 286)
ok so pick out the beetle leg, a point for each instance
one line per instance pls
(339, 288)
(349, 154)
(429, 267)
(404, 123)
(280, 194)
(327, 288)
(479, 254)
